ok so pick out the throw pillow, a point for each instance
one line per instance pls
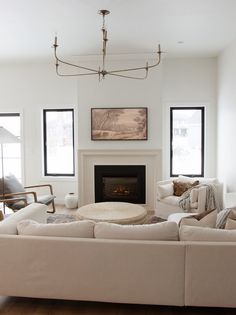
(164, 231)
(83, 229)
(166, 190)
(204, 219)
(196, 233)
(230, 224)
(34, 211)
(186, 179)
(181, 187)
(223, 215)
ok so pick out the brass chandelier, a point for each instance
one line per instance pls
(102, 72)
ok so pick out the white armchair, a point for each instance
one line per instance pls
(167, 203)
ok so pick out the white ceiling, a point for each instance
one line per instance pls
(27, 27)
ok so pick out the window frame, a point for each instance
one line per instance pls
(17, 114)
(202, 110)
(46, 173)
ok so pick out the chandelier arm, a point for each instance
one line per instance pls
(127, 77)
(136, 69)
(76, 74)
(76, 66)
(71, 64)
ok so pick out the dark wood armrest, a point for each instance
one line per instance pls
(21, 193)
(42, 185)
(14, 200)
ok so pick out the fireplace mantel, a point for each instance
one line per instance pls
(89, 158)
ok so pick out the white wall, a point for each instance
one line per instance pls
(28, 88)
(117, 92)
(31, 87)
(190, 82)
(227, 117)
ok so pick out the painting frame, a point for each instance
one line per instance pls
(119, 123)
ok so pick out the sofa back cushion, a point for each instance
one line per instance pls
(34, 211)
(83, 229)
(193, 233)
(164, 231)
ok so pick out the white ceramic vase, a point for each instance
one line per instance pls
(71, 201)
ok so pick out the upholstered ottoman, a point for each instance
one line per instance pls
(115, 212)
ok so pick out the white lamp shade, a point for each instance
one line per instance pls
(7, 137)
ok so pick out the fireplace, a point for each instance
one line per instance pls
(124, 183)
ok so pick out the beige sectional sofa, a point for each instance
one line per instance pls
(158, 272)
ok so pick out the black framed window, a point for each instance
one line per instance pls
(187, 141)
(58, 135)
(12, 158)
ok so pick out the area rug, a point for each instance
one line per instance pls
(65, 218)
(61, 218)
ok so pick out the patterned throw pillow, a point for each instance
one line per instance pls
(181, 187)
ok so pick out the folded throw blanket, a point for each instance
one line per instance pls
(211, 198)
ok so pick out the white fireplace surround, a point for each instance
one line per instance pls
(89, 158)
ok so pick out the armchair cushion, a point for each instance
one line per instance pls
(12, 185)
(165, 190)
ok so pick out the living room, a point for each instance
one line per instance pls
(198, 69)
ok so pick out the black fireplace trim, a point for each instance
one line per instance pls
(138, 171)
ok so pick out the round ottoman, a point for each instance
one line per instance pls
(115, 212)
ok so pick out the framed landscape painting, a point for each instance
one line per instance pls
(128, 123)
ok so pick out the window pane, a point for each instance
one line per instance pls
(59, 146)
(11, 151)
(187, 140)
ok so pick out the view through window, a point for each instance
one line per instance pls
(187, 141)
(58, 142)
(11, 151)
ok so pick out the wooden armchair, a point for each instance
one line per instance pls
(16, 196)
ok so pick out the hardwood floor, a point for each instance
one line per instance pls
(29, 306)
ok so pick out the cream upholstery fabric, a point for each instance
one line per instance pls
(167, 231)
(71, 229)
(209, 220)
(210, 274)
(194, 233)
(165, 190)
(116, 271)
(230, 224)
(34, 211)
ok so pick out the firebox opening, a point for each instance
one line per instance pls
(120, 183)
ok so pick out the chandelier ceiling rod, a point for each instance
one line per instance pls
(123, 73)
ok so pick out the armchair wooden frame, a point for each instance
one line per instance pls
(13, 197)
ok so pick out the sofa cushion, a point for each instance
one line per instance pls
(171, 200)
(35, 211)
(167, 231)
(195, 233)
(83, 229)
(165, 190)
